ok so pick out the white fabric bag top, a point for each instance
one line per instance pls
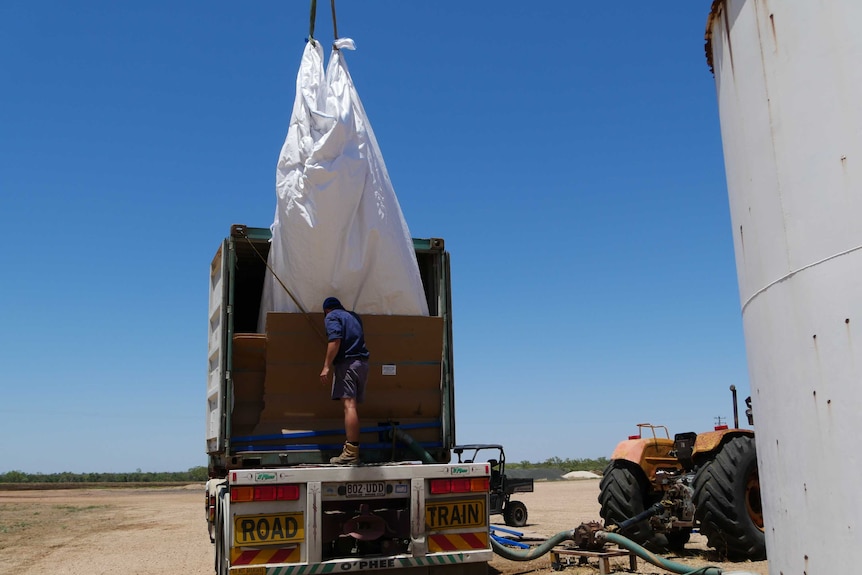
(338, 228)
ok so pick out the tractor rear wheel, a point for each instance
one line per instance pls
(515, 514)
(622, 495)
(727, 501)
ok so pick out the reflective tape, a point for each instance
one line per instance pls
(239, 556)
(457, 541)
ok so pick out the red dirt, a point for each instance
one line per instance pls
(162, 531)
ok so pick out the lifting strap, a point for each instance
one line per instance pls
(311, 24)
(313, 17)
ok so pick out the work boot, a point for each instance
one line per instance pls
(349, 456)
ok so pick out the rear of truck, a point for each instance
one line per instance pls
(274, 505)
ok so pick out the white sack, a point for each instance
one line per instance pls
(338, 227)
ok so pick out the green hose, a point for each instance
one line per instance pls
(534, 552)
(653, 558)
(413, 446)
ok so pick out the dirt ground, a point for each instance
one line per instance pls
(161, 531)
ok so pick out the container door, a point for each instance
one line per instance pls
(217, 350)
(448, 380)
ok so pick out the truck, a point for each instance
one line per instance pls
(274, 503)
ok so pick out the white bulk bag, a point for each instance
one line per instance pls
(338, 227)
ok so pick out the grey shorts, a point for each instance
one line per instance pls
(349, 380)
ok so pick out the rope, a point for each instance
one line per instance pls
(307, 316)
(796, 271)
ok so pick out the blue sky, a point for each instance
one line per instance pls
(568, 152)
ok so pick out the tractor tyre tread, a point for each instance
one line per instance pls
(621, 495)
(720, 501)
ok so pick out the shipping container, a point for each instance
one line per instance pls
(274, 504)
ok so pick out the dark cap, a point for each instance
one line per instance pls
(332, 303)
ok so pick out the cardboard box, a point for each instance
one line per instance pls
(403, 384)
(248, 374)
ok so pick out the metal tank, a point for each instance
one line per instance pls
(788, 76)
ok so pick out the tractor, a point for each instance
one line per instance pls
(707, 481)
(501, 486)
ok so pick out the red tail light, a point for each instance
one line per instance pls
(264, 493)
(287, 492)
(440, 486)
(460, 485)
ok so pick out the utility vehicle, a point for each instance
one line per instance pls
(502, 486)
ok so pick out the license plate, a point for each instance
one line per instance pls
(265, 529)
(456, 514)
(248, 571)
(366, 489)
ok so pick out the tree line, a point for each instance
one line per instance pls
(199, 474)
(594, 465)
(194, 474)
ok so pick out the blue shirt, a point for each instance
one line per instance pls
(346, 326)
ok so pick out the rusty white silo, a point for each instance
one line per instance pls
(788, 75)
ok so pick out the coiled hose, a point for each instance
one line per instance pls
(604, 536)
